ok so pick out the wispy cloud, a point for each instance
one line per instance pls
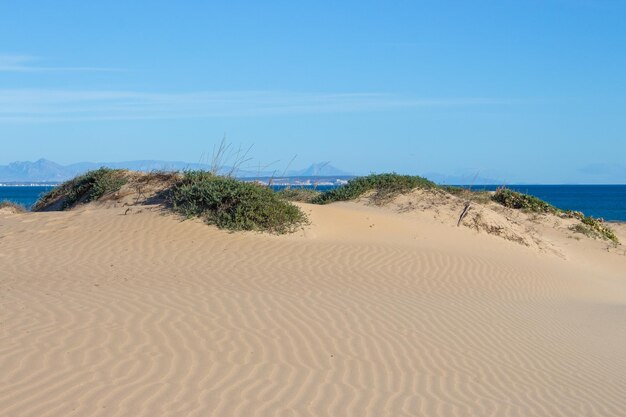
(27, 63)
(24, 105)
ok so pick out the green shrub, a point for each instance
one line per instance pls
(303, 195)
(515, 200)
(384, 186)
(584, 230)
(85, 188)
(232, 204)
(589, 226)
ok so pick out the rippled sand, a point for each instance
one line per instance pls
(366, 313)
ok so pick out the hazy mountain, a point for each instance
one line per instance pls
(41, 170)
(48, 171)
(321, 169)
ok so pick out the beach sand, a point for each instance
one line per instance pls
(366, 312)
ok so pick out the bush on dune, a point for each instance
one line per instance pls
(232, 204)
(85, 188)
(236, 205)
(589, 226)
(513, 199)
(383, 186)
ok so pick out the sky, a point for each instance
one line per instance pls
(522, 91)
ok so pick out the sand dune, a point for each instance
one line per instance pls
(367, 312)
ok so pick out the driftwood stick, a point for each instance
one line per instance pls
(464, 213)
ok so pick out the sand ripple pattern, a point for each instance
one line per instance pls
(142, 315)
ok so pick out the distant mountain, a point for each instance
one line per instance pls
(143, 166)
(48, 171)
(321, 169)
(41, 170)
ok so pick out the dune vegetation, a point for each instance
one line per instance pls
(515, 200)
(12, 207)
(232, 204)
(383, 187)
(85, 188)
(589, 226)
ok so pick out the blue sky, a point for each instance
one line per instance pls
(523, 91)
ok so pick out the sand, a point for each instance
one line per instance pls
(367, 312)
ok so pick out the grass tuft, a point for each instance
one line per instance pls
(12, 207)
(597, 228)
(384, 186)
(234, 205)
(83, 189)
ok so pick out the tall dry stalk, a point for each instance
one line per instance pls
(224, 154)
(468, 202)
(316, 182)
(287, 167)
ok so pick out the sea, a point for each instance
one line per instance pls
(23, 195)
(602, 201)
(607, 202)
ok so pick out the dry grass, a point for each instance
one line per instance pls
(12, 207)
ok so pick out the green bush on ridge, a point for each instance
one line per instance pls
(232, 204)
(589, 226)
(83, 189)
(598, 227)
(515, 200)
(384, 186)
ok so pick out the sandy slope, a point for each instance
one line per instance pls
(366, 313)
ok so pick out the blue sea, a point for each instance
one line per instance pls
(24, 195)
(604, 201)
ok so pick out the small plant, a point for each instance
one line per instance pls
(599, 228)
(384, 186)
(12, 207)
(232, 204)
(584, 230)
(300, 194)
(513, 199)
(588, 226)
(83, 189)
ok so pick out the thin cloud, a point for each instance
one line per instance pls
(24, 105)
(27, 63)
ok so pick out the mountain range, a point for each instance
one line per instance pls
(44, 170)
